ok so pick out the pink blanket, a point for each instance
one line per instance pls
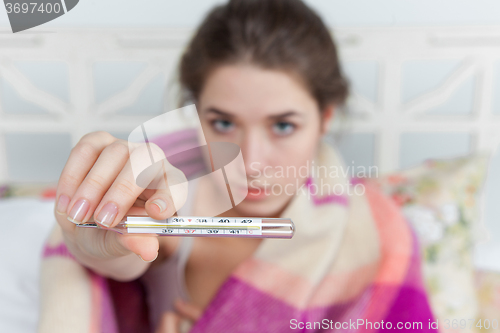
(353, 265)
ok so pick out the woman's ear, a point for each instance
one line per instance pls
(326, 117)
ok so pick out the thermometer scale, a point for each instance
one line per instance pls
(203, 226)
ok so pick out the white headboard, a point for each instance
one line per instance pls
(405, 57)
(113, 80)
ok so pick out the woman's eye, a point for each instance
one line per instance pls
(222, 126)
(283, 128)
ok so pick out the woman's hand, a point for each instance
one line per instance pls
(98, 180)
(180, 321)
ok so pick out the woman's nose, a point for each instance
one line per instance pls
(254, 149)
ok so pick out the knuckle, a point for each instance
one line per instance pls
(141, 148)
(133, 145)
(88, 137)
(119, 148)
(104, 135)
(107, 245)
(127, 188)
(85, 150)
(69, 180)
(96, 181)
(149, 149)
(112, 246)
(97, 135)
(97, 245)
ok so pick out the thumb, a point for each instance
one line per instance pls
(165, 202)
(107, 244)
(171, 188)
(144, 246)
(160, 205)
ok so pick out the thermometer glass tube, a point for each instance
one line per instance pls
(203, 226)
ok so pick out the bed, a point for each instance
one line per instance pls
(423, 107)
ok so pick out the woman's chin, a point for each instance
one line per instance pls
(256, 196)
(263, 207)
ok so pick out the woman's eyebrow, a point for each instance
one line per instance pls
(219, 112)
(284, 115)
(272, 117)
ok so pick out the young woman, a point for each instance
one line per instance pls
(263, 74)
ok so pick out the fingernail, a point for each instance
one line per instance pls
(79, 211)
(162, 205)
(107, 214)
(148, 260)
(62, 204)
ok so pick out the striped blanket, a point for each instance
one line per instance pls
(353, 265)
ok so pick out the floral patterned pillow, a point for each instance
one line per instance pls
(440, 198)
(488, 293)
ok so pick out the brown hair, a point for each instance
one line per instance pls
(273, 34)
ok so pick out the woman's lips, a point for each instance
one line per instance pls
(255, 194)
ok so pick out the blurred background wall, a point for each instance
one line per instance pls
(28, 136)
(336, 13)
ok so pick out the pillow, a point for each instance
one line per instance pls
(27, 217)
(488, 293)
(26, 223)
(36, 190)
(440, 198)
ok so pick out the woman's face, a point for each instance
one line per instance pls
(276, 123)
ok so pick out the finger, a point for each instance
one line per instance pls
(146, 247)
(106, 244)
(169, 323)
(121, 195)
(98, 180)
(80, 161)
(136, 177)
(171, 193)
(136, 210)
(188, 310)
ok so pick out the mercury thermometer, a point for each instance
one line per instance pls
(197, 226)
